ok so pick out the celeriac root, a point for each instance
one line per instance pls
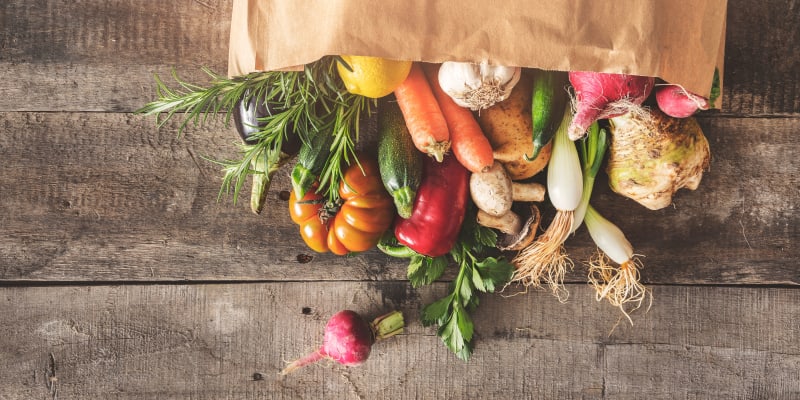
(544, 260)
(619, 284)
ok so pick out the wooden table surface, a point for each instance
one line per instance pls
(124, 277)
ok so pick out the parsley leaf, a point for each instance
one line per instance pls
(475, 274)
(437, 312)
(424, 270)
(490, 271)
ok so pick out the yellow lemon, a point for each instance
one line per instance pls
(373, 77)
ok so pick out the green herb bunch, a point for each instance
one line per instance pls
(478, 271)
(305, 103)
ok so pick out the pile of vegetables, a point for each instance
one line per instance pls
(457, 177)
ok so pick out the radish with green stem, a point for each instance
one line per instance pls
(348, 338)
(677, 102)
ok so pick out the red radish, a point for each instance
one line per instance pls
(349, 338)
(602, 95)
(678, 102)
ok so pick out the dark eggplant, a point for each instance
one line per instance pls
(246, 117)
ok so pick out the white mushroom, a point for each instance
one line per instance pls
(494, 193)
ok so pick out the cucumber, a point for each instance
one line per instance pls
(547, 107)
(399, 161)
(311, 159)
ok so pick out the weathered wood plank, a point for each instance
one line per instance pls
(762, 63)
(105, 53)
(108, 197)
(229, 341)
(101, 55)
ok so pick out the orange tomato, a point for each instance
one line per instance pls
(366, 211)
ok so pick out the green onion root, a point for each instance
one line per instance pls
(544, 260)
(620, 285)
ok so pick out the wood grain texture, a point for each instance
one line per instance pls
(108, 197)
(762, 61)
(100, 55)
(229, 341)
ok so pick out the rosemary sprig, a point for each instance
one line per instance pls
(345, 131)
(303, 102)
(199, 102)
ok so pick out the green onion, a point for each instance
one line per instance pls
(564, 175)
(620, 285)
(592, 148)
(608, 237)
(544, 260)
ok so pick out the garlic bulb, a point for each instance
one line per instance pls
(477, 86)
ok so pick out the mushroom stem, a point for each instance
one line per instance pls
(508, 223)
(527, 192)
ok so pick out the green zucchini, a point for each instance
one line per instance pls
(547, 107)
(399, 161)
(264, 167)
(311, 159)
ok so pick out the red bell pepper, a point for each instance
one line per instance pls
(439, 208)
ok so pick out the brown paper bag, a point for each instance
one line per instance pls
(679, 41)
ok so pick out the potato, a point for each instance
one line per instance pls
(509, 128)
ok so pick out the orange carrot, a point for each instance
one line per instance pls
(422, 114)
(470, 146)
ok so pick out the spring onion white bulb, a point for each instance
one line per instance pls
(619, 284)
(564, 175)
(608, 237)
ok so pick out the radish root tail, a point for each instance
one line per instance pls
(544, 260)
(302, 362)
(619, 284)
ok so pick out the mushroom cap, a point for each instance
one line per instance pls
(492, 190)
(531, 218)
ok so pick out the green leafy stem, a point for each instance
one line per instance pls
(477, 273)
